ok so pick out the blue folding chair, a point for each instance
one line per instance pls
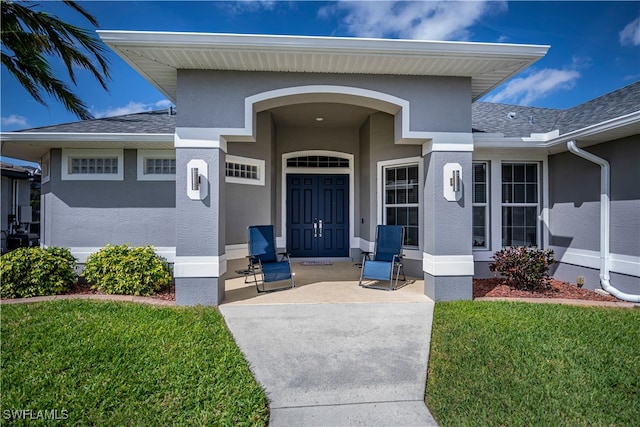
(386, 263)
(264, 261)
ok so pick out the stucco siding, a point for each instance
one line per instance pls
(448, 224)
(201, 229)
(94, 213)
(251, 204)
(574, 193)
(216, 98)
(367, 185)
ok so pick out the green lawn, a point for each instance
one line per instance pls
(111, 363)
(519, 364)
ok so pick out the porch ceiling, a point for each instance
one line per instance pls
(158, 55)
(332, 115)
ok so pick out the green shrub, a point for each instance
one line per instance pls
(127, 270)
(29, 272)
(524, 268)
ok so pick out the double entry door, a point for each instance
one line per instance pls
(318, 215)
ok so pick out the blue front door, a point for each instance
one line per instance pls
(318, 215)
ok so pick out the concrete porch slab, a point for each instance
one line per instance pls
(322, 284)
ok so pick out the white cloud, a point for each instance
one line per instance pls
(630, 35)
(131, 108)
(536, 85)
(14, 120)
(438, 20)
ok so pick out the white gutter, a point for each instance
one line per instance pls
(605, 222)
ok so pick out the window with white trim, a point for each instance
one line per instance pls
(156, 165)
(520, 204)
(480, 205)
(243, 170)
(92, 165)
(401, 201)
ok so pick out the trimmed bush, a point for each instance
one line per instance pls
(525, 268)
(30, 272)
(126, 270)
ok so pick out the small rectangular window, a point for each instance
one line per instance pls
(156, 165)
(242, 170)
(92, 164)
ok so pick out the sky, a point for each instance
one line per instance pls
(595, 46)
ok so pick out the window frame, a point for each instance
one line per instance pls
(143, 155)
(486, 205)
(537, 204)
(260, 164)
(397, 163)
(68, 154)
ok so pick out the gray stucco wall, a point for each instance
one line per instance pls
(574, 193)
(367, 184)
(448, 229)
(252, 204)
(94, 213)
(574, 215)
(216, 98)
(200, 224)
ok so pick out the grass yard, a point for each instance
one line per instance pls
(519, 364)
(111, 363)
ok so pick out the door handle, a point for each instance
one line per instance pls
(315, 227)
(320, 221)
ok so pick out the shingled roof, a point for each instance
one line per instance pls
(519, 121)
(160, 121)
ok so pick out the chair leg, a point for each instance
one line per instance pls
(364, 259)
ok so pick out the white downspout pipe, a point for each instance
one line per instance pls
(605, 221)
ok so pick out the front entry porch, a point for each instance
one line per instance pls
(321, 284)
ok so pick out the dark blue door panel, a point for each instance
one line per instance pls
(318, 215)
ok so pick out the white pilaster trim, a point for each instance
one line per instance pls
(623, 264)
(446, 141)
(447, 265)
(191, 137)
(199, 266)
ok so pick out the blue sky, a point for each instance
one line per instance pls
(595, 46)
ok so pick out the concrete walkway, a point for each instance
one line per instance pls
(340, 355)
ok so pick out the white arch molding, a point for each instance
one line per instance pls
(195, 137)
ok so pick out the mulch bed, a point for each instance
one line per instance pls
(84, 288)
(495, 287)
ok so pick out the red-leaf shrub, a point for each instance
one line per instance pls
(524, 267)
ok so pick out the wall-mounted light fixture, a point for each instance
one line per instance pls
(452, 185)
(197, 179)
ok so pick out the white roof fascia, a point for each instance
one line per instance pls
(283, 43)
(552, 142)
(254, 47)
(608, 125)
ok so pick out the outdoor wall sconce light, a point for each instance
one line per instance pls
(452, 186)
(197, 179)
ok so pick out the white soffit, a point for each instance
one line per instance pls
(158, 56)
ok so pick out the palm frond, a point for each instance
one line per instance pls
(29, 35)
